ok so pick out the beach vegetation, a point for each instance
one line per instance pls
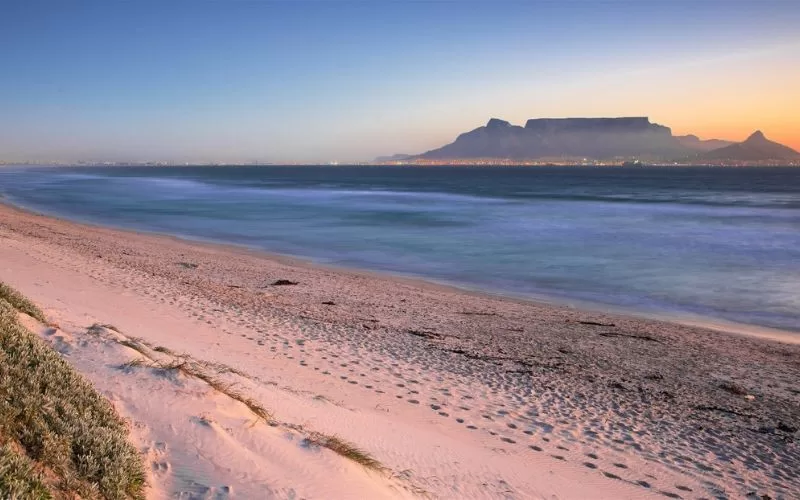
(193, 369)
(20, 302)
(134, 363)
(136, 345)
(20, 477)
(344, 449)
(189, 367)
(99, 328)
(59, 438)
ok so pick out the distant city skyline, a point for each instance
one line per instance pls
(306, 81)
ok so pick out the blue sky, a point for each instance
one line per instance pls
(328, 80)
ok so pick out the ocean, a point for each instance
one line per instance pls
(710, 244)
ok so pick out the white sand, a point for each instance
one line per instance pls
(378, 371)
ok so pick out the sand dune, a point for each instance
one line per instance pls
(199, 441)
(456, 394)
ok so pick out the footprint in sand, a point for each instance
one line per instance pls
(160, 467)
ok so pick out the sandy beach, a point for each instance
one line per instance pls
(454, 394)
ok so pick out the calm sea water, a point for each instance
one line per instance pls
(718, 243)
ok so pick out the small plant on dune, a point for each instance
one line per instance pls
(199, 369)
(179, 364)
(95, 329)
(99, 328)
(20, 302)
(221, 368)
(345, 449)
(136, 345)
(135, 363)
(164, 350)
(254, 406)
(191, 368)
(60, 437)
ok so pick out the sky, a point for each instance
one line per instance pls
(329, 80)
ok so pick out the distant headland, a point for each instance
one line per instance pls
(622, 140)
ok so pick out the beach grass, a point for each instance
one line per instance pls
(99, 328)
(345, 449)
(59, 438)
(193, 368)
(164, 350)
(135, 363)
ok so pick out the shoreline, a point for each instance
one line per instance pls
(458, 394)
(680, 318)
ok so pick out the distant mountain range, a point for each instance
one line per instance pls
(395, 157)
(696, 144)
(596, 139)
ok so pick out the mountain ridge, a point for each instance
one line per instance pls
(755, 148)
(578, 137)
(691, 141)
(598, 139)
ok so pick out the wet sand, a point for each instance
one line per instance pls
(458, 394)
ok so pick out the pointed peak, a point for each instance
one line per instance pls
(497, 123)
(756, 136)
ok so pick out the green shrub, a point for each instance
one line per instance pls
(19, 477)
(20, 302)
(57, 419)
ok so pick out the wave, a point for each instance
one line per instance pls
(754, 193)
(728, 250)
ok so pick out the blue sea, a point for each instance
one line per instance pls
(720, 244)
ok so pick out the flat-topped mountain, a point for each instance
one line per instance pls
(597, 138)
(755, 148)
(573, 139)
